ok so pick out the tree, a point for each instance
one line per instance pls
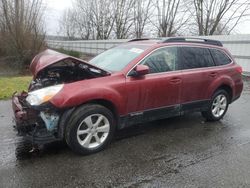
(21, 28)
(89, 19)
(123, 17)
(219, 16)
(171, 16)
(84, 19)
(141, 16)
(68, 24)
(102, 19)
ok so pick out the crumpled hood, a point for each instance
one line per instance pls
(49, 57)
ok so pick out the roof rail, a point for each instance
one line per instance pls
(133, 40)
(193, 40)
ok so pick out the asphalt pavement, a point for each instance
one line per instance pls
(177, 152)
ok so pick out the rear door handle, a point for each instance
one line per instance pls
(175, 80)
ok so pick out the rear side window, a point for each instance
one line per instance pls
(220, 58)
(194, 57)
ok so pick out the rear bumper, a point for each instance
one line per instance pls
(29, 123)
(235, 98)
(238, 90)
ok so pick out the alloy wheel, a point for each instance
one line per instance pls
(93, 131)
(219, 105)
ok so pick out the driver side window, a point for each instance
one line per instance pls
(162, 60)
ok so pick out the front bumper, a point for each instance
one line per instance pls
(29, 123)
(23, 115)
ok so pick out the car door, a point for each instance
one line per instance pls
(198, 72)
(157, 94)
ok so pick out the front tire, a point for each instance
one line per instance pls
(218, 106)
(90, 129)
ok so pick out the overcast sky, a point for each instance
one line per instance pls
(55, 9)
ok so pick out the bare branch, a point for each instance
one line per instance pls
(172, 15)
(219, 16)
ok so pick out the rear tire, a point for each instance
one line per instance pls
(90, 129)
(217, 106)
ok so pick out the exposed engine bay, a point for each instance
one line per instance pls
(65, 71)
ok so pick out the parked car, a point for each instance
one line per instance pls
(138, 81)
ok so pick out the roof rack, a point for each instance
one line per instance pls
(133, 40)
(193, 40)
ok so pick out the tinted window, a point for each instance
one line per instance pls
(220, 58)
(162, 60)
(192, 57)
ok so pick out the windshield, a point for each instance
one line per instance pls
(116, 59)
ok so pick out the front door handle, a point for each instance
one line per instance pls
(213, 74)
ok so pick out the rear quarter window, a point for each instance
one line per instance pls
(220, 57)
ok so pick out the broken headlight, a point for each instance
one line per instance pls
(41, 96)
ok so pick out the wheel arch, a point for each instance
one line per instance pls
(228, 89)
(65, 116)
(106, 103)
(222, 82)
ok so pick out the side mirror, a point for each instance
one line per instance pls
(139, 70)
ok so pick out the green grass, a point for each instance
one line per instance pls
(8, 85)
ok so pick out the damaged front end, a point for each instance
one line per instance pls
(37, 124)
(36, 118)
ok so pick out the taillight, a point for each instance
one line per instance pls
(239, 69)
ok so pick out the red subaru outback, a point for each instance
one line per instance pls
(138, 81)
